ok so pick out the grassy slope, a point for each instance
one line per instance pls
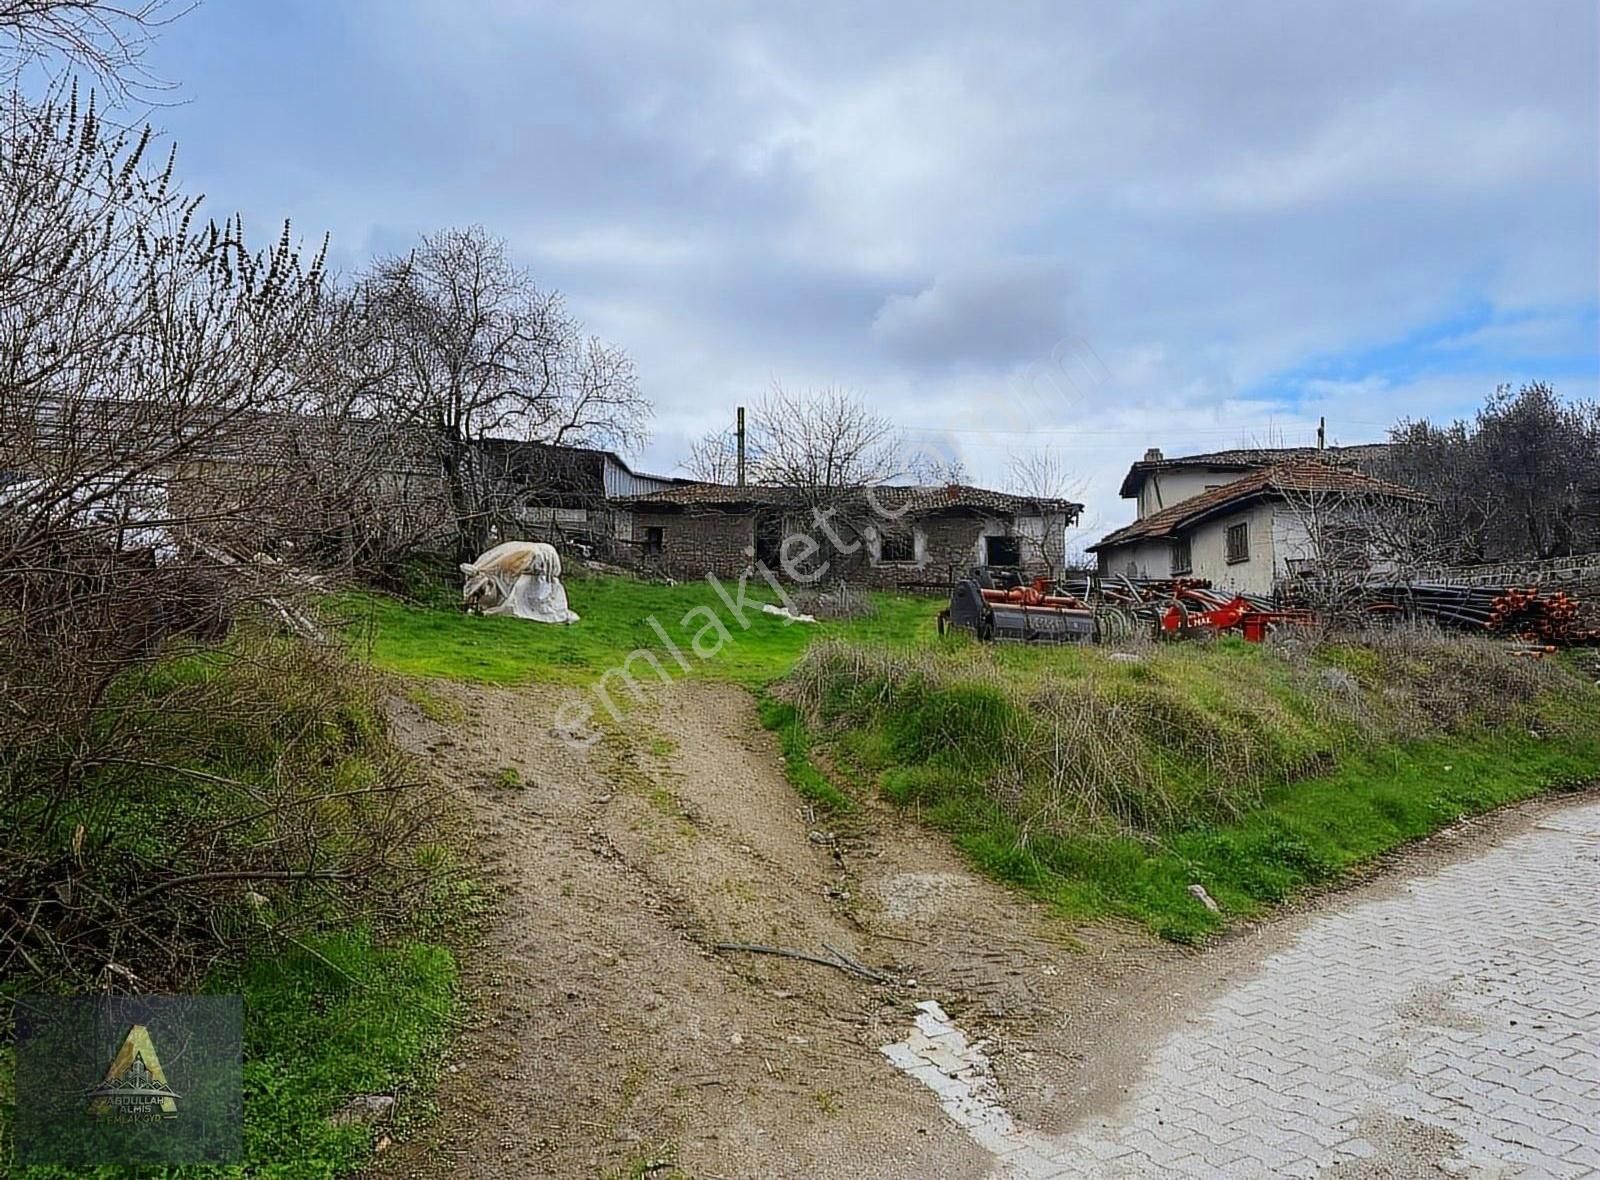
(1323, 789)
(439, 641)
(344, 1012)
(1321, 799)
(1301, 834)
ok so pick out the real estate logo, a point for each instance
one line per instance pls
(127, 1080)
(135, 1087)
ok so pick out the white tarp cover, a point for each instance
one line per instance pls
(521, 579)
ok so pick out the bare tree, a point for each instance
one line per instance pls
(140, 354)
(1339, 541)
(109, 40)
(818, 443)
(940, 469)
(714, 459)
(467, 347)
(823, 442)
(147, 361)
(1044, 476)
(363, 488)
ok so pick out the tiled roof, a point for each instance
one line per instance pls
(916, 497)
(1302, 476)
(715, 495)
(1246, 458)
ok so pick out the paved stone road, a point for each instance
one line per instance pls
(1452, 1028)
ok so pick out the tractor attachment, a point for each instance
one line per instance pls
(1010, 610)
(1252, 621)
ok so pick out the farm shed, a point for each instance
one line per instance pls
(887, 536)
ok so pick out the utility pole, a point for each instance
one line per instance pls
(1322, 434)
(738, 431)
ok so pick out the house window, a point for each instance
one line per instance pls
(897, 546)
(1182, 558)
(1239, 542)
(652, 540)
(1002, 551)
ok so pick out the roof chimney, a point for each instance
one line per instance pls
(1153, 455)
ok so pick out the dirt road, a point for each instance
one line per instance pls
(612, 1038)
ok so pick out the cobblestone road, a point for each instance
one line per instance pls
(1451, 1028)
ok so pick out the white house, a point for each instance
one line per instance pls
(1156, 482)
(1246, 532)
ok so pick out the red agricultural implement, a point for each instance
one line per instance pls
(994, 604)
(1251, 620)
(997, 606)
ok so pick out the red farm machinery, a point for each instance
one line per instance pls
(995, 604)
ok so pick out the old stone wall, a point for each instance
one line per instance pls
(693, 544)
(945, 545)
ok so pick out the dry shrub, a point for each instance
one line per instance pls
(222, 800)
(164, 805)
(1188, 733)
(838, 601)
(1415, 680)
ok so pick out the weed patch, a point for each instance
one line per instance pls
(784, 720)
(1254, 771)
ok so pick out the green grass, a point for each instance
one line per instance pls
(353, 1019)
(784, 720)
(343, 1018)
(246, 747)
(614, 620)
(1301, 834)
(1109, 788)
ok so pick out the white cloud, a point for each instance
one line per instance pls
(985, 314)
(1565, 333)
(1130, 223)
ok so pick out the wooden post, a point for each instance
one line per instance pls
(739, 434)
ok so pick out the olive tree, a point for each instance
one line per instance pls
(1517, 482)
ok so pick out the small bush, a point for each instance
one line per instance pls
(223, 801)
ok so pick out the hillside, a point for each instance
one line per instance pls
(1005, 830)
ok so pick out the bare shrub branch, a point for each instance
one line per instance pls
(107, 40)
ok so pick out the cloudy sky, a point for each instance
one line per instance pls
(1091, 227)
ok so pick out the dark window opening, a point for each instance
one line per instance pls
(897, 546)
(652, 540)
(1239, 542)
(768, 538)
(1002, 551)
(1182, 556)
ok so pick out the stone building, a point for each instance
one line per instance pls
(887, 536)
